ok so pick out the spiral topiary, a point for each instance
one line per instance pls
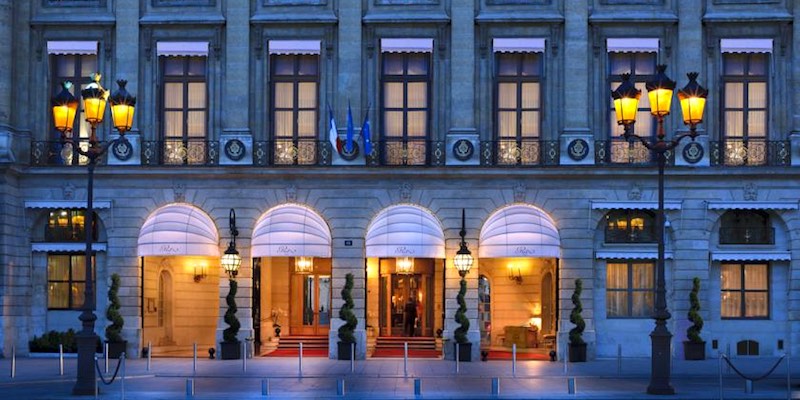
(114, 331)
(693, 332)
(460, 334)
(229, 334)
(576, 333)
(346, 312)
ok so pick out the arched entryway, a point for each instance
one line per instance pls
(179, 249)
(518, 253)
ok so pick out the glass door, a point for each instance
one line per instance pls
(312, 301)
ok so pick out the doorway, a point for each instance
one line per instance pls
(310, 308)
(406, 299)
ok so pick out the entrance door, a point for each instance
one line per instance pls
(311, 304)
(406, 305)
(548, 309)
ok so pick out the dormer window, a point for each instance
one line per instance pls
(67, 225)
(630, 226)
(746, 227)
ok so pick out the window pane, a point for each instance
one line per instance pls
(58, 295)
(730, 276)
(392, 64)
(506, 64)
(57, 268)
(644, 101)
(88, 65)
(393, 95)
(197, 95)
(643, 125)
(530, 95)
(417, 123)
(616, 304)
(307, 123)
(619, 63)
(643, 275)
(197, 66)
(645, 63)
(173, 124)
(307, 95)
(283, 123)
(196, 123)
(78, 268)
(77, 294)
(65, 65)
(173, 66)
(756, 304)
(642, 305)
(308, 65)
(734, 63)
(757, 95)
(418, 64)
(731, 305)
(758, 64)
(734, 124)
(283, 65)
(173, 95)
(756, 124)
(393, 123)
(507, 124)
(755, 277)
(417, 94)
(530, 124)
(734, 95)
(284, 95)
(507, 96)
(531, 64)
(617, 276)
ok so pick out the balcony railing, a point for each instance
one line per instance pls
(527, 152)
(399, 151)
(196, 152)
(54, 152)
(751, 152)
(287, 152)
(749, 235)
(619, 235)
(621, 151)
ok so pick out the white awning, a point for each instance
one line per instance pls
(629, 255)
(65, 247)
(407, 45)
(294, 46)
(745, 45)
(178, 230)
(66, 204)
(174, 49)
(634, 205)
(518, 45)
(632, 45)
(405, 231)
(291, 230)
(519, 231)
(751, 256)
(72, 47)
(752, 205)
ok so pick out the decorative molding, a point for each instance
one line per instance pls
(635, 194)
(405, 191)
(291, 193)
(68, 191)
(750, 192)
(520, 190)
(179, 192)
(147, 38)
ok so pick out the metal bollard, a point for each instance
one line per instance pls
(748, 386)
(495, 386)
(244, 356)
(405, 359)
(417, 387)
(565, 362)
(340, 387)
(571, 387)
(514, 360)
(300, 360)
(719, 367)
(788, 378)
(265, 387)
(458, 347)
(105, 355)
(190, 387)
(122, 382)
(149, 354)
(61, 359)
(352, 357)
(96, 381)
(194, 358)
(728, 355)
(619, 358)
(13, 362)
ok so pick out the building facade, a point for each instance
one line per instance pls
(501, 108)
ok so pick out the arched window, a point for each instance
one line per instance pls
(746, 227)
(630, 226)
(485, 309)
(67, 225)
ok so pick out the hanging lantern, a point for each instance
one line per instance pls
(404, 265)
(304, 265)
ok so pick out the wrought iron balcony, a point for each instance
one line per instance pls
(196, 152)
(748, 235)
(751, 152)
(53, 152)
(287, 152)
(527, 152)
(406, 152)
(621, 151)
(624, 235)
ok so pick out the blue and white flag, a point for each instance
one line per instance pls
(348, 144)
(333, 134)
(365, 134)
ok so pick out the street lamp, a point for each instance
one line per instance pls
(463, 259)
(65, 106)
(231, 260)
(463, 262)
(626, 99)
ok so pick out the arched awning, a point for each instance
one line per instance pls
(519, 231)
(405, 231)
(291, 230)
(178, 230)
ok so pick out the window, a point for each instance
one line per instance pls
(184, 109)
(78, 69)
(630, 226)
(485, 309)
(405, 83)
(66, 281)
(65, 225)
(518, 108)
(295, 97)
(745, 108)
(642, 67)
(630, 289)
(745, 290)
(746, 227)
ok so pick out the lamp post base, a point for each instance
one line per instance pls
(85, 384)
(660, 361)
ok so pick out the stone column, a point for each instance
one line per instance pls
(237, 66)
(462, 70)
(348, 258)
(126, 66)
(6, 80)
(795, 81)
(576, 77)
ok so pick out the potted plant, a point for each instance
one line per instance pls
(230, 347)
(346, 337)
(116, 345)
(695, 347)
(460, 334)
(577, 347)
(276, 316)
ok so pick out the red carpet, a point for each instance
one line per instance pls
(398, 353)
(296, 352)
(506, 355)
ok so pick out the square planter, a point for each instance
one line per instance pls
(115, 349)
(694, 351)
(464, 351)
(344, 350)
(577, 352)
(230, 350)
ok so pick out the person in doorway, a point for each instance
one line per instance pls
(411, 317)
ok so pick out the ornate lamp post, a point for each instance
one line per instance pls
(463, 262)
(463, 259)
(626, 99)
(231, 261)
(65, 106)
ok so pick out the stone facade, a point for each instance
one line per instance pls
(349, 194)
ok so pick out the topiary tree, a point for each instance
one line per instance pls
(229, 334)
(114, 331)
(346, 312)
(460, 334)
(693, 332)
(576, 333)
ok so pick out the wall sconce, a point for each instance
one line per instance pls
(537, 322)
(515, 277)
(304, 265)
(404, 265)
(200, 273)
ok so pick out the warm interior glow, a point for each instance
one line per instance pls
(660, 101)
(230, 262)
(692, 108)
(626, 108)
(123, 116)
(404, 265)
(95, 108)
(304, 265)
(64, 116)
(537, 322)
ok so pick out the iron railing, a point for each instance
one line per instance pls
(195, 152)
(406, 152)
(747, 235)
(750, 152)
(622, 235)
(54, 152)
(623, 152)
(519, 152)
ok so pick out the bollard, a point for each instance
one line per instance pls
(190, 387)
(96, 381)
(105, 355)
(352, 357)
(619, 358)
(514, 360)
(265, 387)
(788, 378)
(728, 356)
(495, 386)
(565, 361)
(417, 387)
(244, 356)
(300, 360)
(122, 382)
(149, 354)
(458, 347)
(13, 362)
(340, 387)
(194, 358)
(719, 367)
(571, 388)
(405, 359)
(61, 359)
(748, 386)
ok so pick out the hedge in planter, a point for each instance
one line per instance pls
(346, 337)
(577, 347)
(230, 346)
(116, 344)
(695, 347)
(460, 334)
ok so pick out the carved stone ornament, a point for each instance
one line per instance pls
(578, 149)
(291, 193)
(68, 191)
(235, 149)
(693, 152)
(179, 192)
(520, 190)
(463, 150)
(405, 191)
(750, 192)
(635, 194)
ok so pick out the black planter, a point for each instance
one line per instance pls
(115, 349)
(694, 350)
(464, 351)
(577, 352)
(344, 350)
(230, 350)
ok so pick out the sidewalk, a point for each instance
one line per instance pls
(384, 378)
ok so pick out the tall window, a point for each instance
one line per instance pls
(642, 67)
(744, 290)
(405, 107)
(746, 227)
(66, 281)
(630, 226)
(518, 106)
(630, 289)
(295, 93)
(745, 108)
(184, 109)
(485, 309)
(76, 68)
(67, 225)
